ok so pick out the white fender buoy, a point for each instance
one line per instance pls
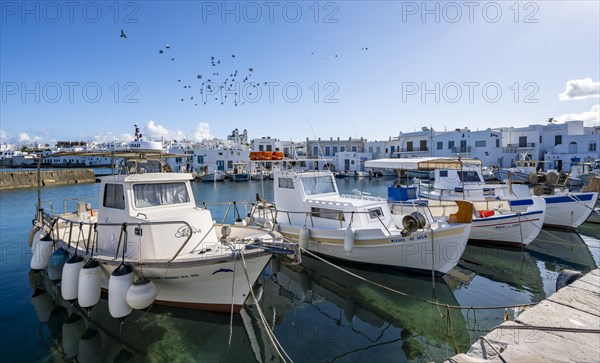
(43, 304)
(41, 253)
(141, 294)
(274, 264)
(88, 293)
(70, 277)
(239, 222)
(303, 238)
(72, 330)
(55, 265)
(120, 280)
(35, 235)
(268, 225)
(349, 240)
(90, 347)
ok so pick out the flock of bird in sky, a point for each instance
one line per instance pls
(232, 84)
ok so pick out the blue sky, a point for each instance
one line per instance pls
(351, 68)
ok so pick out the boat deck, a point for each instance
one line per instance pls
(564, 327)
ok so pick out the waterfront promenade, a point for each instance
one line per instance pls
(565, 327)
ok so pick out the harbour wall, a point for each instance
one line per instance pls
(29, 179)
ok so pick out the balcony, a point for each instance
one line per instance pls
(411, 150)
(519, 145)
(461, 149)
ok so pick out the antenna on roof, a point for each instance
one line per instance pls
(318, 144)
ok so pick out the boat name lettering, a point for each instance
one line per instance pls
(184, 231)
(411, 238)
(177, 277)
(507, 226)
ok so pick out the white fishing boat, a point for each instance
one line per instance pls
(493, 221)
(456, 179)
(362, 229)
(148, 229)
(215, 176)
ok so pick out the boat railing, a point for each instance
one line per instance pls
(270, 212)
(52, 221)
(246, 205)
(66, 200)
(363, 197)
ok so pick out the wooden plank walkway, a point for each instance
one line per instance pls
(563, 328)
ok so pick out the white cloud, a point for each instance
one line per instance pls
(3, 135)
(579, 89)
(202, 132)
(589, 118)
(155, 131)
(109, 137)
(23, 137)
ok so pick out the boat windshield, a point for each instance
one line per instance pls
(318, 185)
(155, 194)
(469, 176)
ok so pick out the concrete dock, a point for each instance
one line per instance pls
(29, 178)
(563, 328)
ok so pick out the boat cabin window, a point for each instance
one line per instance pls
(113, 196)
(375, 212)
(469, 176)
(318, 185)
(327, 214)
(443, 173)
(286, 183)
(155, 194)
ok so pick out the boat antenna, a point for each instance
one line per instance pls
(317, 140)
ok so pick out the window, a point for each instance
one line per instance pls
(318, 185)
(113, 196)
(440, 145)
(375, 213)
(286, 183)
(378, 149)
(327, 214)
(261, 148)
(450, 144)
(370, 149)
(178, 160)
(540, 139)
(269, 147)
(151, 195)
(229, 164)
(497, 142)
(334, 150)
(480, 143)
(592, 146)
(327, 150)
(557, 140)
(522, 141)
(354, 148)
(423, 145)
(315, 151)
(443, 173)
(468, 176)
(409, 146)
(201, 159)
(342, 148)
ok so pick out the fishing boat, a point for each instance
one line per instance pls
(493, 221)
(215, 176)
(239, 173)
(461, 179)
(148, 229)
(362, 229)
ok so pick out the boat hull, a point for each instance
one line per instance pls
(418, 251)
(519, 229)
(204, 287)
(562, 211)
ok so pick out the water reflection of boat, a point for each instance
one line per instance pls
(514, 267)
(562, 249)
(162, 334)
(355, 313)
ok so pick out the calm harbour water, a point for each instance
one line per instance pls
(318, 313)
